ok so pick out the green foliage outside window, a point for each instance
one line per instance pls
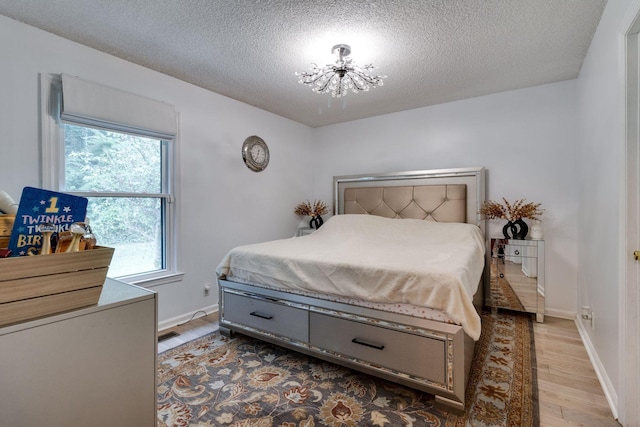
(101, 161)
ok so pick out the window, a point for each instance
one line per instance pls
(122, 167)
(122, 176)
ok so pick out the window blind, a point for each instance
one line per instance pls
(92, 104)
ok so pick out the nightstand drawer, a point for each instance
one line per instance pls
(512, 247)
(268, 316)
(399, 351)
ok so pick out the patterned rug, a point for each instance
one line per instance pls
(244, 382)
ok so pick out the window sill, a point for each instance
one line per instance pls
(151, 280)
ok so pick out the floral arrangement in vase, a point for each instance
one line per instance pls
(514, 213)
(315, 210)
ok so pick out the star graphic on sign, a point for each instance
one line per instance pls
(42, 202)
(67, 209)
(35, 209)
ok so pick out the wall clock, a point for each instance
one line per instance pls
(255, 153)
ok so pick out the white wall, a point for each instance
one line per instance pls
(221, 203)
(601, 193)
(527, 140)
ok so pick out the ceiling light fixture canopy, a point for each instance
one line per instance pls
(342, 76)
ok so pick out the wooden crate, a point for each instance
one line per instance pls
(41, 285)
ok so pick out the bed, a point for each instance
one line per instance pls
(390, 285)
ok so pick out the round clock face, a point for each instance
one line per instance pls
(255, 153)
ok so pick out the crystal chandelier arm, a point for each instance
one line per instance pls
(359, 81)
(372, 80)
(322, 81)
(307, 77)
(322, 85)
(358, 85)
(315, 75)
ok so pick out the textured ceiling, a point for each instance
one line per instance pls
(433, 51)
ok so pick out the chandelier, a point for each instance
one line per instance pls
(340, 77)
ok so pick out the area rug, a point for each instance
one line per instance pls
(244, 382)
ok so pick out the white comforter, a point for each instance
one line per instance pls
(372, 258)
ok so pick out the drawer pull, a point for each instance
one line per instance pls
(262, 316)
(517, 252)
(377, 347)
(502, 275)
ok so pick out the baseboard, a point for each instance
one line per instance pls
(560, 313)
(609, 392)
(183, 318)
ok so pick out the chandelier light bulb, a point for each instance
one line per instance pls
(341, 77)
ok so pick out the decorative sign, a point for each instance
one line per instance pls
(39, 206)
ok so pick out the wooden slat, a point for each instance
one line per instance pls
(18, 311)
(33, 287)
(40, 265)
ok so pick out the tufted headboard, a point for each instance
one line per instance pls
(440, 203)
(444, 195)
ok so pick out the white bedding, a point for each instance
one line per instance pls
(372, 258)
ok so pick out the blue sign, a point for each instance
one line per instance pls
(39, 206)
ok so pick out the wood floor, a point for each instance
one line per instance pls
(189, 331)
(569, 391)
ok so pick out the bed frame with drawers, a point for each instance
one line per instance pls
(427, 355)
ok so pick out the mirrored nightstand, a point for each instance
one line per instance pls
(517, 276)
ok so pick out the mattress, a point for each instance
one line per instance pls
(408, 264)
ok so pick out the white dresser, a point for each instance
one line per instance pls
(89, 367)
